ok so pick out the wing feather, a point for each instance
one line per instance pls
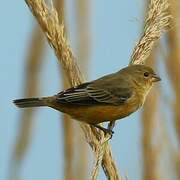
(88, 94)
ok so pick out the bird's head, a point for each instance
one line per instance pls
(142, 75)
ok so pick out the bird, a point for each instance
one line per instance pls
(106, 99)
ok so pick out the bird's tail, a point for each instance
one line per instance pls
(30, 102)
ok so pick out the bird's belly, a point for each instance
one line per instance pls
(99, 113)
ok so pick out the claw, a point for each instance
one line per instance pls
(106, 131)
(109, 131)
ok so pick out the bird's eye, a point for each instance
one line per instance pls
(146, 74)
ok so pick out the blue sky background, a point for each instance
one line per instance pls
(116, 26)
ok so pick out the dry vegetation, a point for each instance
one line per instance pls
(53, 27)
(67, 121)
(156, 22)
(34, 64)
(150, 150)
(173, 64)
(162, 148)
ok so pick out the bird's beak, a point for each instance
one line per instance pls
(155, 78)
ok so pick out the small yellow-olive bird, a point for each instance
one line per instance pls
(108, 98)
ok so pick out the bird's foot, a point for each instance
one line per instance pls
(108, 131)
(105, 130)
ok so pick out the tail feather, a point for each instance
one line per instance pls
(30, 102)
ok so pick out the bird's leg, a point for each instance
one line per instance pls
(111, 126)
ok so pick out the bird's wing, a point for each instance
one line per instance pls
(90, 94)
(75, 95)
(110, 95)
